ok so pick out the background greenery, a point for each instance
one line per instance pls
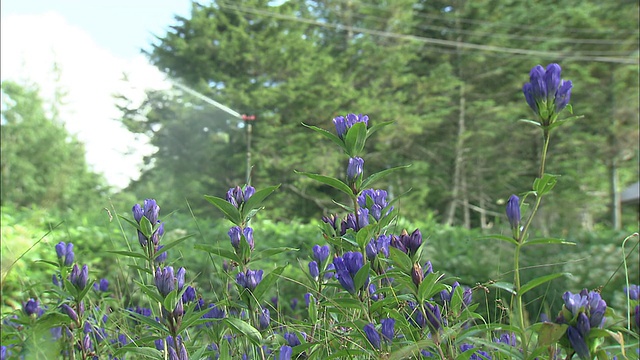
(455, 109)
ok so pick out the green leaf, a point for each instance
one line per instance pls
(151, 292)
(40, 261)
(147, 352)
(218, 251)
(361, 276)
(560, 122)
(268, 282)
(333, 182)
(549, 333)
(498, 237)
(256, 200)
(270, 252)
(229, 211)
(139, 268)
(503, 285)
(133, 223)
(548, 241)
(531, 122)
(545, 184)
(363, 236)
(377, 176)
(355, 138)
(539, 281)
(152, 323)
(247, 330)
(400, 259)
(146, 227)
(377, 127)
(328, 135)
(170, 245)
(347, 303)
(128, 253)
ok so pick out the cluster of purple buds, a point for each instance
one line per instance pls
(346, 268)
(166, 281)
(582, 312)
(237, 197)
(546, 93)
(236, 233)
(249, 279)
(292, 339)
(320, 253)
(406, 243)
(467, 295)
(507, 338)
(377, 202)
(344, 124)
(65, 253)
(150, 210)
(102, 285)
(79, 277)
(333, 221)
(189, 294)
(378, 246)
(354, 222)
(32, 307)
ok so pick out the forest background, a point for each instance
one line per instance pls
(448, 73)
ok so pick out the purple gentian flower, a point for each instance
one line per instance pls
(546, 93)
(320, 253)
(264, 318)
(285, 353)
(313, 270)
(513, 212)
(354, 169)
(32, 307)
(372, 335)
(249, 279)
(79, 277)
(388, 329)
(165, 280)
(633, 292)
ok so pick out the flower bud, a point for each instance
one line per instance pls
(416, 274)
(372, 335)
(354, 169)
(513, 212)
(388, 328)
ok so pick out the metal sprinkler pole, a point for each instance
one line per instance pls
(247, 120)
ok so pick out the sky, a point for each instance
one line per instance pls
(94, 44)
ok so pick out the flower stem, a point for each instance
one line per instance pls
(521, 238)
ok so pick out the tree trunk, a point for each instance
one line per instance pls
(616, 208)
(458, 162)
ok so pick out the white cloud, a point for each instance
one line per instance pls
(90, 75)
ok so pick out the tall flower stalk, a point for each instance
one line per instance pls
(547, 94)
